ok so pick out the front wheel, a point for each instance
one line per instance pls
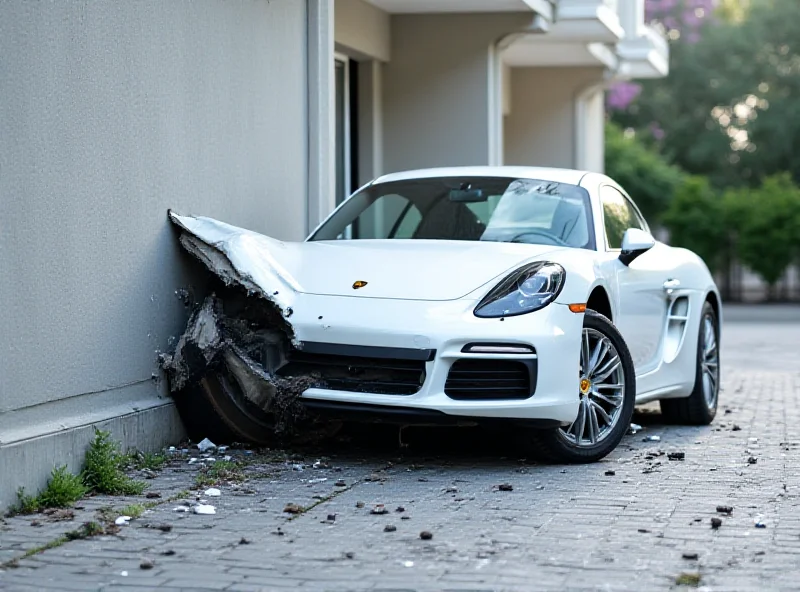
(606, 390)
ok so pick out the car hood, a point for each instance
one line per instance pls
(397, 269)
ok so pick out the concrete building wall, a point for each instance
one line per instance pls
(362, 29)
(547, 107)
(112, 113)
(442, 89)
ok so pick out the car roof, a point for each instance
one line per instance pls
(570, 176)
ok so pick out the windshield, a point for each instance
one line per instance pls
(469, 208)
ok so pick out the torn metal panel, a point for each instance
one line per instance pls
(241, 257)
(197, 347)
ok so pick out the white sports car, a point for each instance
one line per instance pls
(532, 296)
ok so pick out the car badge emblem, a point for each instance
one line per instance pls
(359, 284)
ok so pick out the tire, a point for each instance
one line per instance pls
(700, 407)
(215, 408)
(564, 444)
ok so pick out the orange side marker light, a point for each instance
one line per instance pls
(578, 307)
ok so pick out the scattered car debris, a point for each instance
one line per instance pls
(676, 456)
(505, 487)
(168, 553)
(205, 445)
(379, 509)
(652, 439)
(389, 528)
(643, 530)
(400, 509)
(690, 556)
(340, 483)
(212, 492)
(146, 564)
(204, 509)
(293, 509)
(426, 535)
(122, 521)
(359, 504)
(752, 460)
(725, 510)
(181, 509)
(634, 428)
(758, 521)
(331, 518)
(244, 541)
(152, 495)
(408, 564)
(716, 523)
(610, 473)
(349, 555)
(736, 428)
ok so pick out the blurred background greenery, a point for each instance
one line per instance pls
(712, 152)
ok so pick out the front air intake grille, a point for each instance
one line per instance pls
(471, 380)
(359, 374)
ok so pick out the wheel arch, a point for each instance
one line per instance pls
(600, 302)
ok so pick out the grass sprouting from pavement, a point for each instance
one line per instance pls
(688, 579)
(153, 461)
(221, 470)
(62, 490)
(103, 472)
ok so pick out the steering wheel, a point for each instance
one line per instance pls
(555, 240)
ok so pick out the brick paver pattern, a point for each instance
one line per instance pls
(560, 528)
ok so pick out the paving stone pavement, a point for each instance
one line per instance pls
(560, 528)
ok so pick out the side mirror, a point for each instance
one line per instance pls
(634, 243)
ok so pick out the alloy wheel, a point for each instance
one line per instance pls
(601, 391)
(709, 362)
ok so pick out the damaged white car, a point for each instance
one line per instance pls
(531, 297)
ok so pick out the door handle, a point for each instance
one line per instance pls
(671, 284)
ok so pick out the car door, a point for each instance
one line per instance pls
(641, 304)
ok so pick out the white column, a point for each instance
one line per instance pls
(321, 112)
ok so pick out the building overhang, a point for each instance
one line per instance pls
(532, 51)
(541, 7)
(643, 56)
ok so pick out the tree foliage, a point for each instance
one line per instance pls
(728, 109)
(644, 174)
(695, 220)
(765, 224)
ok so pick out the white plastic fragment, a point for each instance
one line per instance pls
(204, 509)
(653, 439)
(192, 460)
(180, 509)
(297, 467)
(205, 445)
(408, 564)
(634, 427)
(212, 492)
(227, 457)
(122, 521)
(123, 573)
(320, 480)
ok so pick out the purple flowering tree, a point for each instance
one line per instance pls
(681, 21)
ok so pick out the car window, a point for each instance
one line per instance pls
(392, 216)
(618, 216)
(479, 208)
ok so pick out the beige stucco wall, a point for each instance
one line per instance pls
(540, 129)
(442, 89)
(362, 30)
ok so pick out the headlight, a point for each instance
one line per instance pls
(527, 289)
